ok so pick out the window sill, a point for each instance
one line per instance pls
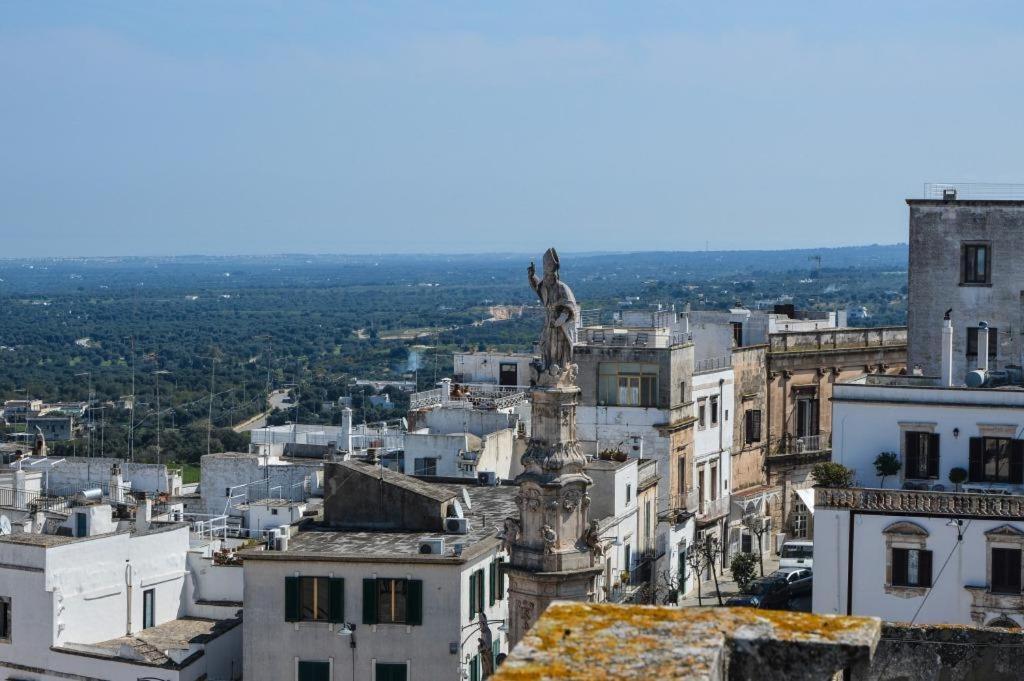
(906, 591)
(967, 284)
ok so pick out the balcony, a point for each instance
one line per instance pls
(808, 447)
(898, 502)
(711, 509)
(471, 396)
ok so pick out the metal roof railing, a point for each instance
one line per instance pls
(975, 190)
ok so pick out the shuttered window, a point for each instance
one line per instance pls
(911, 567)
(996, 459)
(314, 599)
(385, 671)
(393, 601)
(921, 455)
(752, 426)
(492, 581)
(1006, 571)
(314, 671)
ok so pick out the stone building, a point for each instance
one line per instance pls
(965, 259)
(802, 369)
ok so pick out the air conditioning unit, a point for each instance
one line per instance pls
(456, 525)
(432, 547)
(487, 478)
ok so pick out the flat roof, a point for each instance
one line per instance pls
(967, 202)
(490, 507)
(150, 645)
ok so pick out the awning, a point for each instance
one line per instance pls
(807, 496)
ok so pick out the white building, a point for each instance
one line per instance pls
(495, 368)
(379, 589)
(93, 595)
(924, 548)
(232, 478)
(713, 399)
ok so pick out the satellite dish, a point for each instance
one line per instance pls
(465, 498)
(5, 525)
(458, 509)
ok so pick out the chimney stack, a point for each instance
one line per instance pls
(947, 352)
(143, 514)
(346, 429)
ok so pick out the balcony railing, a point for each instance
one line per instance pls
(711, 364)
(809, 445)
(472, 395)
(896, 502)
(713, 508)
(630, 337)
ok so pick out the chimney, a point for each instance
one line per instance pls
(116, 485)
(446, 390)
(19, 488)
(947, 352)
(346, 428)
(143, 514)
(983, 346)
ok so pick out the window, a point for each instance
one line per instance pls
(737, 334)
(752, 426)
(800, 522)
(385, 671)
(314, 671)
(976, 264)
(148, 607)
(682, 392)
(627, 557)
(476, 594)
(702, 414)
(972, 342)
(627, 384)
(425, 466)
(1006, 571)
(474, 668)
(5, 619)
(714, 410)
(393, 601)
(807, 415)
(911, 567)
(996, 459)
(921, 455)
(314, 599)
(629, 493)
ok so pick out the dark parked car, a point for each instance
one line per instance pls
(799, 580)
(766, 592)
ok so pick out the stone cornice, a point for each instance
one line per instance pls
(899, 502)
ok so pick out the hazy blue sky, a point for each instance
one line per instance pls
(145, 127)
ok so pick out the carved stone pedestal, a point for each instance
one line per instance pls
(550, 557)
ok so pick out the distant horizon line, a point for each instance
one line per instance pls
(437, 254)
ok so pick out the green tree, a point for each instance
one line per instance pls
(832, 474)
(957, 476)
(742, 566)
(886, 464)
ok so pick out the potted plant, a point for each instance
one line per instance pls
(832, 474)
(886, 464)
(957, 476)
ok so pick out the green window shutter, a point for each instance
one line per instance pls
(474, 668)
(314, 671)
(336, 600)
(492, 581)
(472, 596)
(495, 651)
(481, 586)
(501, 580)
(291, 599)
(414, 602)
(391, 672)
(369, 601)
(976, 461)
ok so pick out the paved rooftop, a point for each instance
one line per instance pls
(150, 646)
(491, 505)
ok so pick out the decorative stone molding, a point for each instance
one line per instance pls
(907, 529)
(903, 535)
(957, 504)
(1007, 430)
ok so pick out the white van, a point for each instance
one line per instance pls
(797, 554)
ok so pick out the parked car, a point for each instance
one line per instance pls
(798, 580)
(766, 592)
(796, 554)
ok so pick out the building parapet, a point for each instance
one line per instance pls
(896, 502)
(471, 396)
(712, 364)
(838, 339)
(615, 336)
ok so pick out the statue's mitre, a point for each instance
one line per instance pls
(551, 259)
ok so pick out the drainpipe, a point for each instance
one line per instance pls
(128, 587)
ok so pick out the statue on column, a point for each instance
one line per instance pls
(561, 316)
